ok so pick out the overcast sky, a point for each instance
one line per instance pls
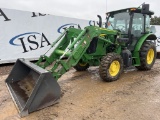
(83, 9)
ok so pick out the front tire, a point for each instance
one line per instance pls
(111, 67)
(81, 66)
(147, 56)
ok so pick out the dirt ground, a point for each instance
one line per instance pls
(135, 96)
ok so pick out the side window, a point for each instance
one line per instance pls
(137, 26)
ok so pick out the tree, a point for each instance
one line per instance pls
(155, 20)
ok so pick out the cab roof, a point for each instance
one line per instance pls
(132, 9)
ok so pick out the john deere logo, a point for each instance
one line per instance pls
(30, 41)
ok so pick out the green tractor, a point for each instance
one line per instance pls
(125, 41)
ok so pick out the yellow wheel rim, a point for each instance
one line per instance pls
(114, 68)
(83, 64)
(150, 56)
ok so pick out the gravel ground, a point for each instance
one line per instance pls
(135, 96)
(5, 69)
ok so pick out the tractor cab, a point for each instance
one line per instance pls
(132, 23)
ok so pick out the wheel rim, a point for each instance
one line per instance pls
(114, 68)
(150, 56)
(83, 64)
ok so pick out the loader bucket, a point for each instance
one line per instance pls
(31, 87)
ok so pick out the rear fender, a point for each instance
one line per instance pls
(140, 42)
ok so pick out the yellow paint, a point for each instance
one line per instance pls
(102, 35)
(106, 29)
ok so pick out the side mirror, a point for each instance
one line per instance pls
(145, 9)
(153, 29)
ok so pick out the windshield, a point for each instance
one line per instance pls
(119, 21)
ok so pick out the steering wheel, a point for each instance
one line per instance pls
(136, 27)
(120, 27)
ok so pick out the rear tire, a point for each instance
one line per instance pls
(111, 67)
(147, 56)
(81, 66)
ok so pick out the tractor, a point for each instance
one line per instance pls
(125, 41)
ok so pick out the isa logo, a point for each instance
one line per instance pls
(29, 41)
(61, 28)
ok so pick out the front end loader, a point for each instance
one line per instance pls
(124, 42)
